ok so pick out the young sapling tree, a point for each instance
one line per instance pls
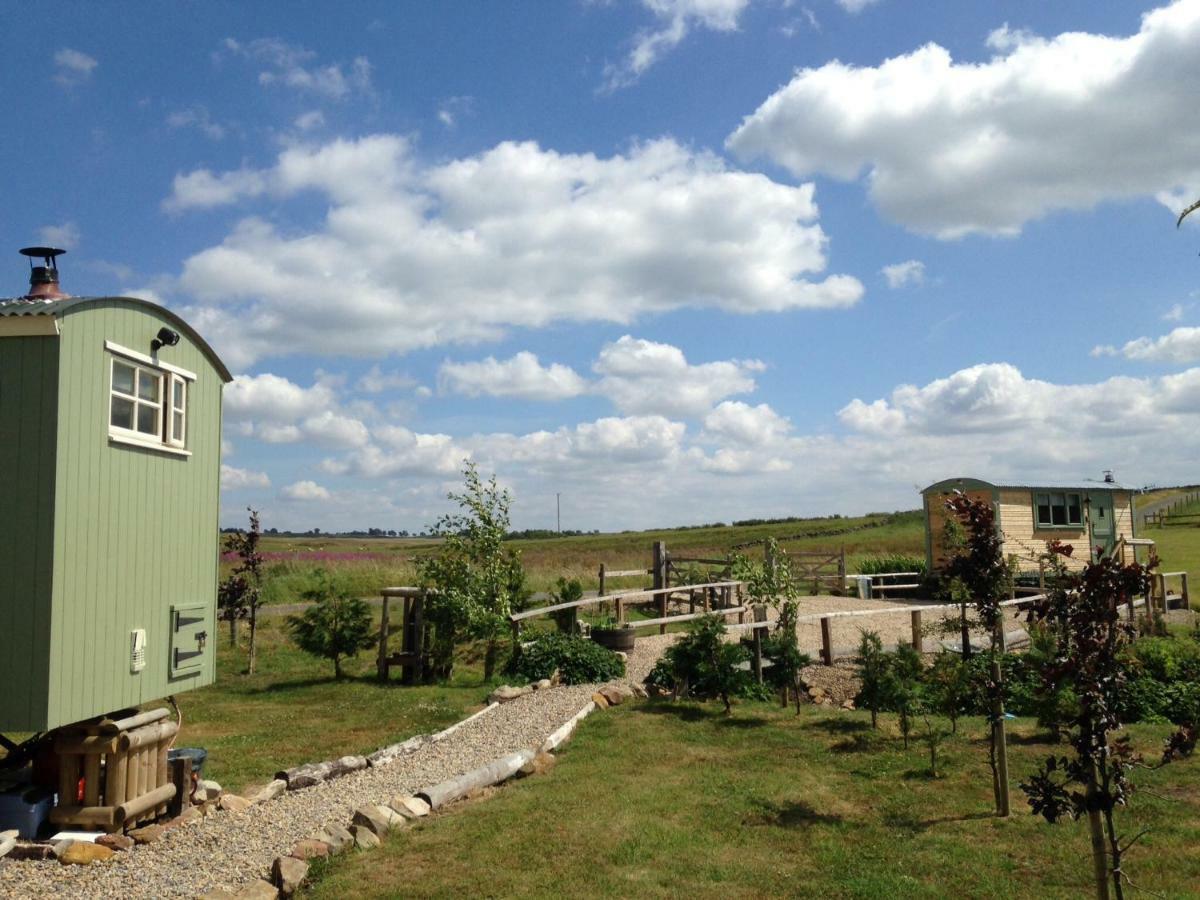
(771, 582)
(873, 672)
(475, 581)
(903, 688)
(1084, 611)
(239, 595)
(337, 625)
(705, 664)
(569, 590)
(986, 576)
(949, 687)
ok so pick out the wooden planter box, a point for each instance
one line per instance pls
(617, 639)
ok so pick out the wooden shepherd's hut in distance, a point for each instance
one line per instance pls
(110, 456)
(1091, 515)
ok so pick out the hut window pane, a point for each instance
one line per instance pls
(122, 413)
(123, 378)
(1042, 501)
(177, 423)
(1057, 510)
(1074, 512)
(136, 402)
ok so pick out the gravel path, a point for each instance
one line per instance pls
(228, 848)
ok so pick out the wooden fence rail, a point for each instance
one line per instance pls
(708, 594)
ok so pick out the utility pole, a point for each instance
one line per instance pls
(558, 510)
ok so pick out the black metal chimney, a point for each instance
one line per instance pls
(43, 279)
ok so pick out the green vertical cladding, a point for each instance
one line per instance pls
(28, 428)
(106, 537)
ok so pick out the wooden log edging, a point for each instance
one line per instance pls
(563, 733)
(446, 732)
(392, 752)
(498, 770)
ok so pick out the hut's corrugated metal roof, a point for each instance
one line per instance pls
(27, 306)
(1084, 485)
(1078, 485)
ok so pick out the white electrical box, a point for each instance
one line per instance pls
(137, 650)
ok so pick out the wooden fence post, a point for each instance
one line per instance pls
(1183, 591)
(842, 569)
(620, 610)
(758, 676)
(662, 612)
(381, 666)
(659, 564)
(827, 641)
(181, 777)
(760, 615)
(601, 593)
(419, 641)
(918, 639)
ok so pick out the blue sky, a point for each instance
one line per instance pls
(677, 260)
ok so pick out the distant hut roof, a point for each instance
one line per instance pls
(1065, 485)
(33, 306)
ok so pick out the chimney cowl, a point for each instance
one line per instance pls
(43, 279)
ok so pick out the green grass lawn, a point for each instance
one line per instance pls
(661, 800)
(291, 710)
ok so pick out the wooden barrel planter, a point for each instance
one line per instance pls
(616, 639)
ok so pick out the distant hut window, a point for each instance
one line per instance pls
(1053, 510)
(148, 401)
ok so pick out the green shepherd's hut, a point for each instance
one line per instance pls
(110, 457)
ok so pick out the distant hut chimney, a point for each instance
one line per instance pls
(1108, 477)
(43, 279)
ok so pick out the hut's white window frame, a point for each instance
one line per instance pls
(171, 406)
(1055, 501)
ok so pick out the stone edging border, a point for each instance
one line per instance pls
(372, 822)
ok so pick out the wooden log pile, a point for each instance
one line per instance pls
(113, 773)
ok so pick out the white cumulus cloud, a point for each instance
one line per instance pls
(641, 376)
(72, 67)
(903, 274)
(676, 18)
(522, 377)
(951, 148)
(65, 235)
(741, 423)
(305, 491)
(515, 236)
(1180, 345)
(233, 479)
(294, 67)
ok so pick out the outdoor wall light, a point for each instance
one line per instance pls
(165, 338)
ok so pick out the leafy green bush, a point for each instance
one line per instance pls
(661, 676)
(578, 660)
(1143, 700)
(1168, 659)
(705, 665)
(891, 562)
(1183, 703)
